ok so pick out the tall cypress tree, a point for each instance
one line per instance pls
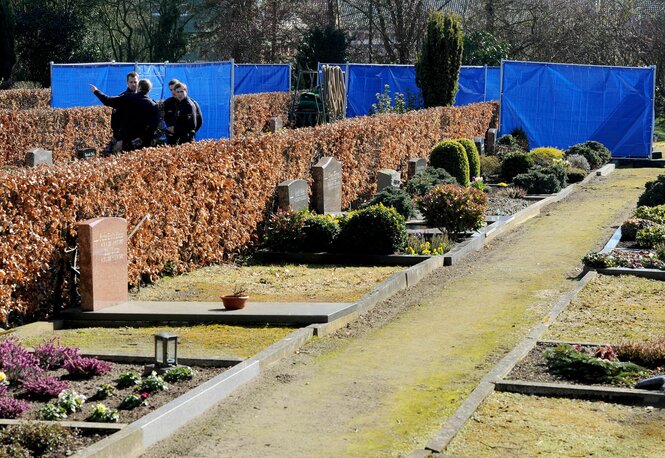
(439, 61)
(7, 54)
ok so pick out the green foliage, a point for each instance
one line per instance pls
(483, 48)
(36, 439)
(399, 104)
(654, 193)
(576, 175)
(545, 156)
(318, 44)
(655, 214)
(650, 236)
(397, 198)
(7, 52)
(630, 227)
(507, 140)
(105, 391)
(71, 401)
(451, 156)
(520, 138)
(438, 64)
(426, 179)
(472, 156)
(454, 209)
(576, 161)
(300, 232)
(514, 163)
(102, 414)
(52, 412)
(318, 233)
(372, 230)
(538, 182)
(169, 39)
(660, 251)
(129, 378)
(134, 400)
(567, 362)
(599, 260)
(489, 165)
(594, 152)
(177, 374)
(418, 243)
(152, 383)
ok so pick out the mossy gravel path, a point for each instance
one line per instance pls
(386, 391)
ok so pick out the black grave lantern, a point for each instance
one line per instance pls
(166, 350)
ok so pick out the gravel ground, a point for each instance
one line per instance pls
(504, 206)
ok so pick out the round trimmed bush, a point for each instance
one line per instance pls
(507, 140)
(372, 230)
(489, 165)
(451, 156)
(602, 151)
(537, 182)
(655, 214)
(454, 209)
(650, 236)
(630, 227)
(472, 156)
(577, 161)
(654, 193)
(284, 231)
(426, 179)
(318, 233)
(594, 152)
(545, 156)
(576, 175)
(397, 198)
(514, 163)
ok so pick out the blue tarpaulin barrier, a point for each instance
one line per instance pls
(476, 84)
(210, 84)
(560, 105)
(253, 78)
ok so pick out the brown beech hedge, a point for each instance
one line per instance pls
(25, 99)
(63, 130)
(207, 200)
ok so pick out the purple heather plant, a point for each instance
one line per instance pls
(44, 387)
(16, 362)
(52, 355)
(3, 390)
(86, 367)
(12, 408)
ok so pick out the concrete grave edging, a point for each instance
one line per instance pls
(651, 274)
(486, 385)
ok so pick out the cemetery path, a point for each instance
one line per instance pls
(386, 383)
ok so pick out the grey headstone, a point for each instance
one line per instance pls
(490, 141)
(38, 156)
(387, 178)
(327, 175)
(292, 195)
(416, 165)
(274, 124)
(480, 144)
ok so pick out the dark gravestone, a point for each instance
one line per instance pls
(480, 144)
(292, 195)
(274, 124)
(387, 178)
(327, 175)
(416, 165)
(86, 153)
(38, 156)
(490, 141)
(103, 262)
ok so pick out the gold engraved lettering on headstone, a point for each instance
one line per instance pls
(109, 247)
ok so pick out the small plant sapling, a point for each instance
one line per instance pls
(129, 378)
(52, 412)
(132, 401)
(152, 383)
(71, 401)
(44, 386)
(104, 391)
(102, 414)
(177, 374)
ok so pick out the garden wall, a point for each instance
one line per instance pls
(207, 200)
(62, 130)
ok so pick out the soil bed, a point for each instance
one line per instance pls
(533, 368)
(88, 388)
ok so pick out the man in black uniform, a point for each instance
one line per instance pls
(188, 117)
(169, 108)
(140, 115)
(117, 113)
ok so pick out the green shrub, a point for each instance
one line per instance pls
(507, 140)
(570, 363)
(426, 179)
(538, 182)
(489, 165)
(545, 156)
(595, 153)
(372, 230)
(472, 156)
(577, 161)
(654, 193)
(602, 151)
(285, 231)
(454, 209)
(440, 58)
(630, 227)
(38, 438)
(660, 251)
(514, 163)
(520, 138)
(650, 236)
(559, 171)
(451, 156)
(603, 260)
(576, 175)
(397, 198)
(318, 233)
(655, 214)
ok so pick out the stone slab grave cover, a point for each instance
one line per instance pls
(103, 262)
(327, 175)
(416, 165)
(38, 156)
(387, 178)
(292, 195)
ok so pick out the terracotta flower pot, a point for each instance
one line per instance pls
(234, 302)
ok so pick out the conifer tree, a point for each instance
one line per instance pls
(7, 55)
(439, 61)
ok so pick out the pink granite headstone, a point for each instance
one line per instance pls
(103, 262)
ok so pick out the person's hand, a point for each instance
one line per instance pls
(170, 129)
(93, 88)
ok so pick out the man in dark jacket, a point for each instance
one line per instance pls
(117, 113)
(188, 117)
(169, 108)
(140, 115)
